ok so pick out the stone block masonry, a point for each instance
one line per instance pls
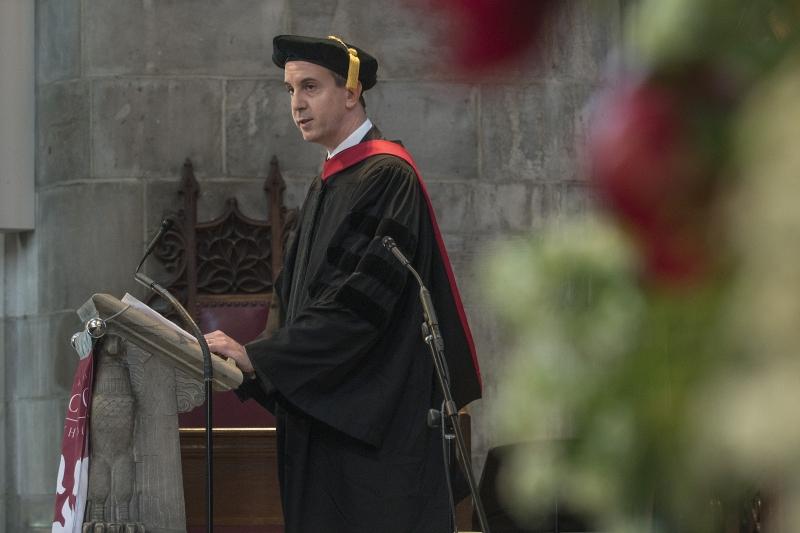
(127, 89)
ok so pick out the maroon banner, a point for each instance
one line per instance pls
(73, 471)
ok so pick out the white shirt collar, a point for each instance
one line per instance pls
(353, 139)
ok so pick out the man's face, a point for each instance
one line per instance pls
(318, 104)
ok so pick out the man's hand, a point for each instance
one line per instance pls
(221, 344)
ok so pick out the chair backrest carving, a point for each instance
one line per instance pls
(231, 260)
(224, 270)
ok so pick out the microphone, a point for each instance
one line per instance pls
(424, 294)
(166, 224)
(390, 245)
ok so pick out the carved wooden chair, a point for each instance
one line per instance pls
(223, 271)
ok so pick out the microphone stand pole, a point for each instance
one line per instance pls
(433, 338)
(208, 369)
(208, 375)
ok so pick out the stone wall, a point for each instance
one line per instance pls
(3, 403)
(127, 89)
(17, 109)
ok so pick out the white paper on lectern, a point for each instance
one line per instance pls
(155, 315)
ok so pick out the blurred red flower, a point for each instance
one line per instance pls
(489, 32)
(652, 172)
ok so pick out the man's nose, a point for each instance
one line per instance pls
(298, 103)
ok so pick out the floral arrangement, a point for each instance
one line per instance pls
(659, 338)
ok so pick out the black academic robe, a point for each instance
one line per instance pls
(348, 374)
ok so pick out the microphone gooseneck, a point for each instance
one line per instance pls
(424, 295)
(166, 224)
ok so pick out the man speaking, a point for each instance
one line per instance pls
(348, 375)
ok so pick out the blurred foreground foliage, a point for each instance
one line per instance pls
(659, 338)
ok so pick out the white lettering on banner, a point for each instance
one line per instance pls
(77, 401)
(74, 404)
(78, 406)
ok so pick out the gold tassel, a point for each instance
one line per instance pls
(353, 67)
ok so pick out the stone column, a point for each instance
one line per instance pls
(39, 269)
(16, 114)
(17, 142)
(3, 406)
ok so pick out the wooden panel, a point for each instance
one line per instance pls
(464, 512)
(246, 492)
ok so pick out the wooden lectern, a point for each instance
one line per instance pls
(146, 373)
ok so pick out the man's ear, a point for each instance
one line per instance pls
(353, 96)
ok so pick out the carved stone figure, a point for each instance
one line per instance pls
(111, 467)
